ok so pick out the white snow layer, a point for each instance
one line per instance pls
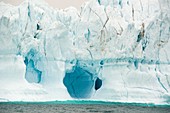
(39, 44)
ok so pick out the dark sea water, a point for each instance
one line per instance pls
(81, 107)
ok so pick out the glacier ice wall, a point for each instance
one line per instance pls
(59, 54)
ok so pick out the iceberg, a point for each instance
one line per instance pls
(110, 50)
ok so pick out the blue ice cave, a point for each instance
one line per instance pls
(79, 83)
(32, 75)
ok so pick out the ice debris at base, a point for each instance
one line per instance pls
(121, 46)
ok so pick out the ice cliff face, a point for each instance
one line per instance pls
(111, 50)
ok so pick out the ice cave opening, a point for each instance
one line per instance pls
(80, 83)
(32, 74)
(98, 83)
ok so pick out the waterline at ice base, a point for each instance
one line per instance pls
(109, 50)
